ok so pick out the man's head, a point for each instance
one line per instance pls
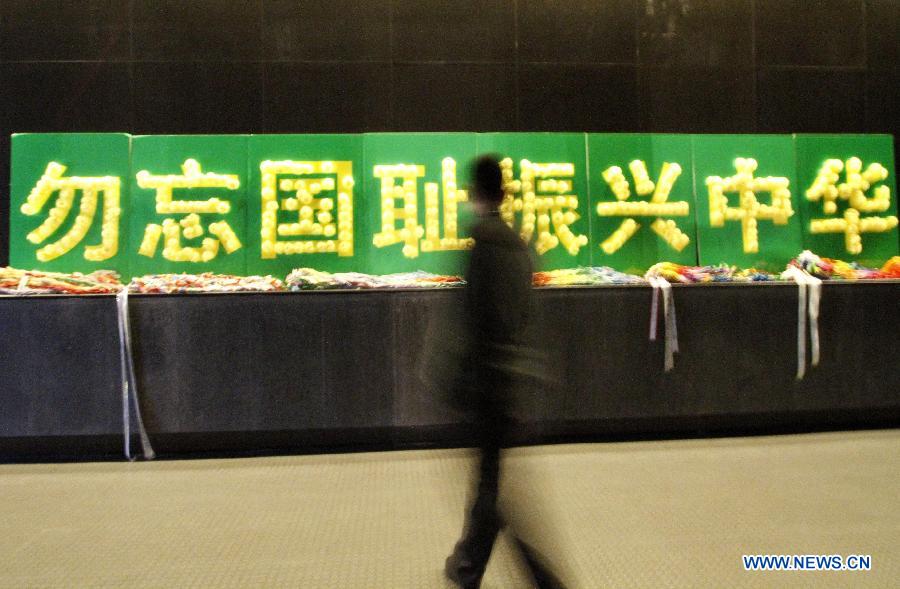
(487, 182)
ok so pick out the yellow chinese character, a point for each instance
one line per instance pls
(658, 205)
(317, 215)
(189, 226)
(52, 182)
(452, 197)
(749, 209)
(546, 203)
(858, 182)
(400, 182)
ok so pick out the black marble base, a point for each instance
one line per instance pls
(343, 370)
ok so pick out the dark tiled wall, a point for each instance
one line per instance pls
(223, 66)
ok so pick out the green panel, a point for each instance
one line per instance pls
(675, 193)
(164, 155)
(383, 152)
(715, 156)
(376, 241)
(549, 148)
(293, 158)
(812, 153)
(85, 156)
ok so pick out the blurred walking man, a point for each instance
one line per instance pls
(497, 311)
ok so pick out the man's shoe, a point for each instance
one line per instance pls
(543, 577)
(460, 570)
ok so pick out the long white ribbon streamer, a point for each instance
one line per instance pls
(129, 382)
(670, 324)
(815, 299)
(801, 325)
(809, 297)
(654, 308)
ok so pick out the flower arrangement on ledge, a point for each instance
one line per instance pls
(30, 282)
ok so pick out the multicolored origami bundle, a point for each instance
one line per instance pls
(206, 282)
(891, 268)
(700, 274)
(584, 276)
(419, 279)
(828, 269)
(27, 282)
(309, 279)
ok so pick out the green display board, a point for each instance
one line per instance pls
(315, 183)
(69, 202)
(642, 200)
(847, 195)
(396, 202)
(547, 193)
(417, 212)
(180, 178)
(747, 200)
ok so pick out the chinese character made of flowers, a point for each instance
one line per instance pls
(189, 226)
(853, 191)
(321, 194)
(658, 206)
(400, 182)
(52, 182)
(749, 209)
(543, 195)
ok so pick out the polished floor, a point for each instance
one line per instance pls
(643, 514)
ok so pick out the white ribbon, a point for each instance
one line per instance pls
(129, 382)
(669, 321)
(654, 308)
(809, 297)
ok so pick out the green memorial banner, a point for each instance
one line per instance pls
(642, 200)
(545, 178)
(417, 203)
(69, 202)
(305, 205)
(746, 192)
(847, 196)
(381, 203)
(189, 204)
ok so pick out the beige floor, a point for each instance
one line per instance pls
(649, 514)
